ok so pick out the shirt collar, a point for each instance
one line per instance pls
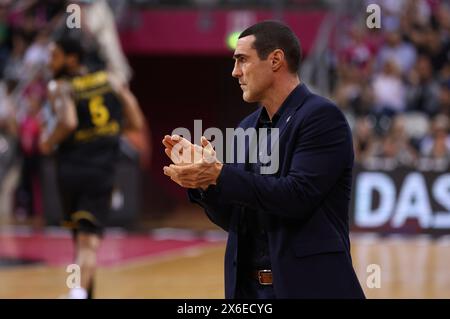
(291, 101)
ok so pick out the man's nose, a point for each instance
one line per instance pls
(236, 72)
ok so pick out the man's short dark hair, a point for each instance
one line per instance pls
(71, 42)
(272, 35)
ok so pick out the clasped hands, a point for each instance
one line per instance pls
(193, 166)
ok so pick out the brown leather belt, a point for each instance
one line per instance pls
(264, 276)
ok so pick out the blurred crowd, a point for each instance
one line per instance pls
(393, 83)
(26, 28)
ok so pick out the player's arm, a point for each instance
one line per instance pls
(66, 117)
(132, 112)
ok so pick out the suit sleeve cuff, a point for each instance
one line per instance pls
(228, 183)
(212, 193)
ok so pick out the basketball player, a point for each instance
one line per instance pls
(91, 110)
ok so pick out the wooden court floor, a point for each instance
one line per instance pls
(414, 267)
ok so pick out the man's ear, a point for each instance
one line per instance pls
(277, 59)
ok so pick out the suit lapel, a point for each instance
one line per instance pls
(287, 115)
(293, 104)
(253, 124)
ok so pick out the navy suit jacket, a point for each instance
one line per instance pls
(304, 205)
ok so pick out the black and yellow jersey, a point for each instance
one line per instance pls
(94, 142)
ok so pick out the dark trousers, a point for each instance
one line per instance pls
(250, 288)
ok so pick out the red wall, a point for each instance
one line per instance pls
(193, 32)
(173, 92)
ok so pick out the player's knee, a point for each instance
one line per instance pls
(88, 241)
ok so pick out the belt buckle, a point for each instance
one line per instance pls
(264, 271)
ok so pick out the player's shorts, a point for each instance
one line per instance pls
(86, 198)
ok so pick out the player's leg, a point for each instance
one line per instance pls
(86, 238)
(89, 212)
(90, 220)
(90, 289)
(86, 257)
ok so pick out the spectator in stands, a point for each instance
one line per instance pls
(444, 98)
(9, 167)
(437, 145)
(5, 34)
(414, 13)
(437, 47)
(423, 90)
(401, 52)
(358, 52)
(352, 91)
(395, 144)
(442, 18)
(391, 8)
(389, 90)
(14, 68)
(444, 73)
(27, 26)
(29, 191)
(363, 139)
(348, 89)
(37, 54)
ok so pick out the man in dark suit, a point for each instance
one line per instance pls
(288, 230)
